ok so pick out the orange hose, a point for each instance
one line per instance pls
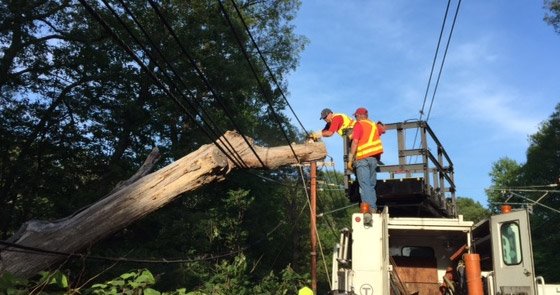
(474, 280)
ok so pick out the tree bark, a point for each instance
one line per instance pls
(133, 200)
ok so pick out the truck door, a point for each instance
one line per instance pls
(512, 254)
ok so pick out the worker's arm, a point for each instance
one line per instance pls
(327, 133)
(380, 128)
(332, 127)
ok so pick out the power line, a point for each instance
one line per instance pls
(150, 72)
(443, 59)
(183, 83)
(525, 187)
(524, 190)
(229, 146)
(434, 61)
(254, 71)
(168, 90)
(440, 68)
(535, 202)
(39, 251)
(269, 179)
(202, 76)
(266, 64)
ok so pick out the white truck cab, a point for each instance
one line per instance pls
(417, 255)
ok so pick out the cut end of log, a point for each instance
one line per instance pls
(246, 154)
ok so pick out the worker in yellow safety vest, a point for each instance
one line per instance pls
(366, 149)
(305, 291)
(336, 123)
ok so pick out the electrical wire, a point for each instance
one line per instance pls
(434, 60)
(431, 72)
(294, 224)
(240, 162)
(269, 179)
(331, 195)
(336, 210)
(240, 15)
(315, 229)
(177, 76)
(440, 68)
(39, 251)
(524, 190)
(535, 202)
(254, 71)
(202, 75)
(261, 86)
(323, 258)
(443, 59)
(169, 92)
(150, 72)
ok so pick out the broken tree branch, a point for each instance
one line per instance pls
(139, 196)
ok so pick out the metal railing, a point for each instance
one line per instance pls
(435, 167)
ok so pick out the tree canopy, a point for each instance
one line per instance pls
(82, 105)
(79, 113)
(533, 180)
(471, 209)
(552, 16)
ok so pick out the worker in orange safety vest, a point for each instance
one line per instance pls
(365, 153)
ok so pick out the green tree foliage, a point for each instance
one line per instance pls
(541, 169)
(78, 115)
(552, 16)
(505, 173)
(471, 209)
(226, 278)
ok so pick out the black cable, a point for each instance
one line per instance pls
(440, 69)
(443, 60)
(150, 72)
(261, 86)
(329, 179)
(431, 72)
(434, 61)
(202, 76)
(333, 230)
(294, 224)
(39, 251)
(266, 64)
(229, 146)
(168, 91)
(331, 194)
(269, 179)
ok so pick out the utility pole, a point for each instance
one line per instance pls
(313, 219)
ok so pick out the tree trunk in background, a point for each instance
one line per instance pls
(133, 200)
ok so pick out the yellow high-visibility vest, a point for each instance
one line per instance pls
(305, 291)
(346, 123)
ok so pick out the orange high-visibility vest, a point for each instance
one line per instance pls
(369, 144)
(346, 123)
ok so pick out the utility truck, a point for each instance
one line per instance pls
(418, 244)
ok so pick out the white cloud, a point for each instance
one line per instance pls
(473, 53)
(500, 107)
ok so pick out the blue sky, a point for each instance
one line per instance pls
(500, 79)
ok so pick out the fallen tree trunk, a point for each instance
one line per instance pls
(139, 196)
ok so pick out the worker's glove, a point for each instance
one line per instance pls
(350, 163)
(315, 135)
